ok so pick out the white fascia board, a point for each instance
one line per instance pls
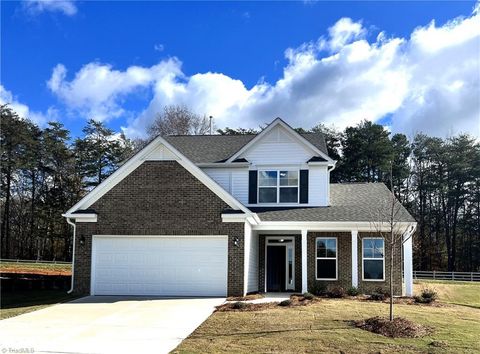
(327, 226)
(137, 160)
(224, 165)
(322, 163)
(297, 136)
(81, 217)
(114, 178)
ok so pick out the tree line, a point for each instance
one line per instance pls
(44, 172)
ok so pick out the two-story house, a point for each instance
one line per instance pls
(215, 215)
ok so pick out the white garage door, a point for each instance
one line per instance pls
(159, 265)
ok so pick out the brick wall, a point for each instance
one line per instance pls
(160, 198)
(368, 287)
(344, 257)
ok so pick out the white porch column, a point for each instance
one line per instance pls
(304, 262)
(355, 258)
(247, 255)
(408, 264)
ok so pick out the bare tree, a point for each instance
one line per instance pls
(179, 120)
(392, 230)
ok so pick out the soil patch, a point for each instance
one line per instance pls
(398, 328)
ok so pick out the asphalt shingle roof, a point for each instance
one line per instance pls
(348, 202)
(218, 148)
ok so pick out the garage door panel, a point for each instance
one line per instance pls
(165, 266)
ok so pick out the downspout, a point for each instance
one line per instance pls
(73, 254)
(328, 186)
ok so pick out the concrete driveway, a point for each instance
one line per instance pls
(106, 324)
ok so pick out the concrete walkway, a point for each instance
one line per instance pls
(107, 324)
(269, 297)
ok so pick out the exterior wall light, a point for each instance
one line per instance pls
(82, 240)
(236, 241)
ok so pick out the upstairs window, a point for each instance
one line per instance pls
(373, 259)
(278, 187)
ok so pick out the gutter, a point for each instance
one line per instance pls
(73, 254)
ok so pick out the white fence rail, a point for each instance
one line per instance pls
(438, 275)
(31, 261)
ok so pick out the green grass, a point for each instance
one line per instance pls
(327, 327)
(19, 302)
(36, 268)
(452, 292)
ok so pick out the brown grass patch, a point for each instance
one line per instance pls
(398, 328)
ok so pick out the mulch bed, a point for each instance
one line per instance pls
(239, 306)
(398, 328)
(245, 306)
(246, 297)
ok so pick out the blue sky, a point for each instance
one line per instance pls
(245, 63)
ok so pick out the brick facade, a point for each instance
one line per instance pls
(160, 198)
(344, 263)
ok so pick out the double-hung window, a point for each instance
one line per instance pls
(278, 186)
(326, 258)
(373, 259)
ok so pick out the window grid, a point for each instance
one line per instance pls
(326, 257)
(373, 257)
(278, 185)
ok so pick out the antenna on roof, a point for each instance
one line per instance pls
(211, 118)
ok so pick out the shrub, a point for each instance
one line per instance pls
(377, 296)
(427, 296)
(384, 291)
(308, 296)
(285, 303)
(336, 292)
(239, 305)
(318, 289)
(353, 291)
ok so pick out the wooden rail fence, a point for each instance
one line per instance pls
(439, 275)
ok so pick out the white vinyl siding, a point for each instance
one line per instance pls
(318, 185)
(233, 180)
(277, 147)
(159, 265)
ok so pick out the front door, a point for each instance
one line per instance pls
(276, 264)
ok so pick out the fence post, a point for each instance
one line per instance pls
(433, 275)
(453, 275)
(471, 276)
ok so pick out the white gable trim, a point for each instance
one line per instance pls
(297, 136)
(136, 161)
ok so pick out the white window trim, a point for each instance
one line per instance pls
(292, 239)
(278, 186)
(373, 259)
(330, 258)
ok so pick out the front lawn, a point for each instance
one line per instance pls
(327, 326)
(19, 302)
(453, 292)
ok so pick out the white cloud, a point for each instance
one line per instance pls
(428, 82)
(159, 47)
(24, 111)
(35, 7)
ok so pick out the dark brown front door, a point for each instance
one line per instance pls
(276, 257)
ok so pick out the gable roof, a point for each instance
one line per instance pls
(280, 122)
(130, 165)
(349, 202)
(219, 148)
